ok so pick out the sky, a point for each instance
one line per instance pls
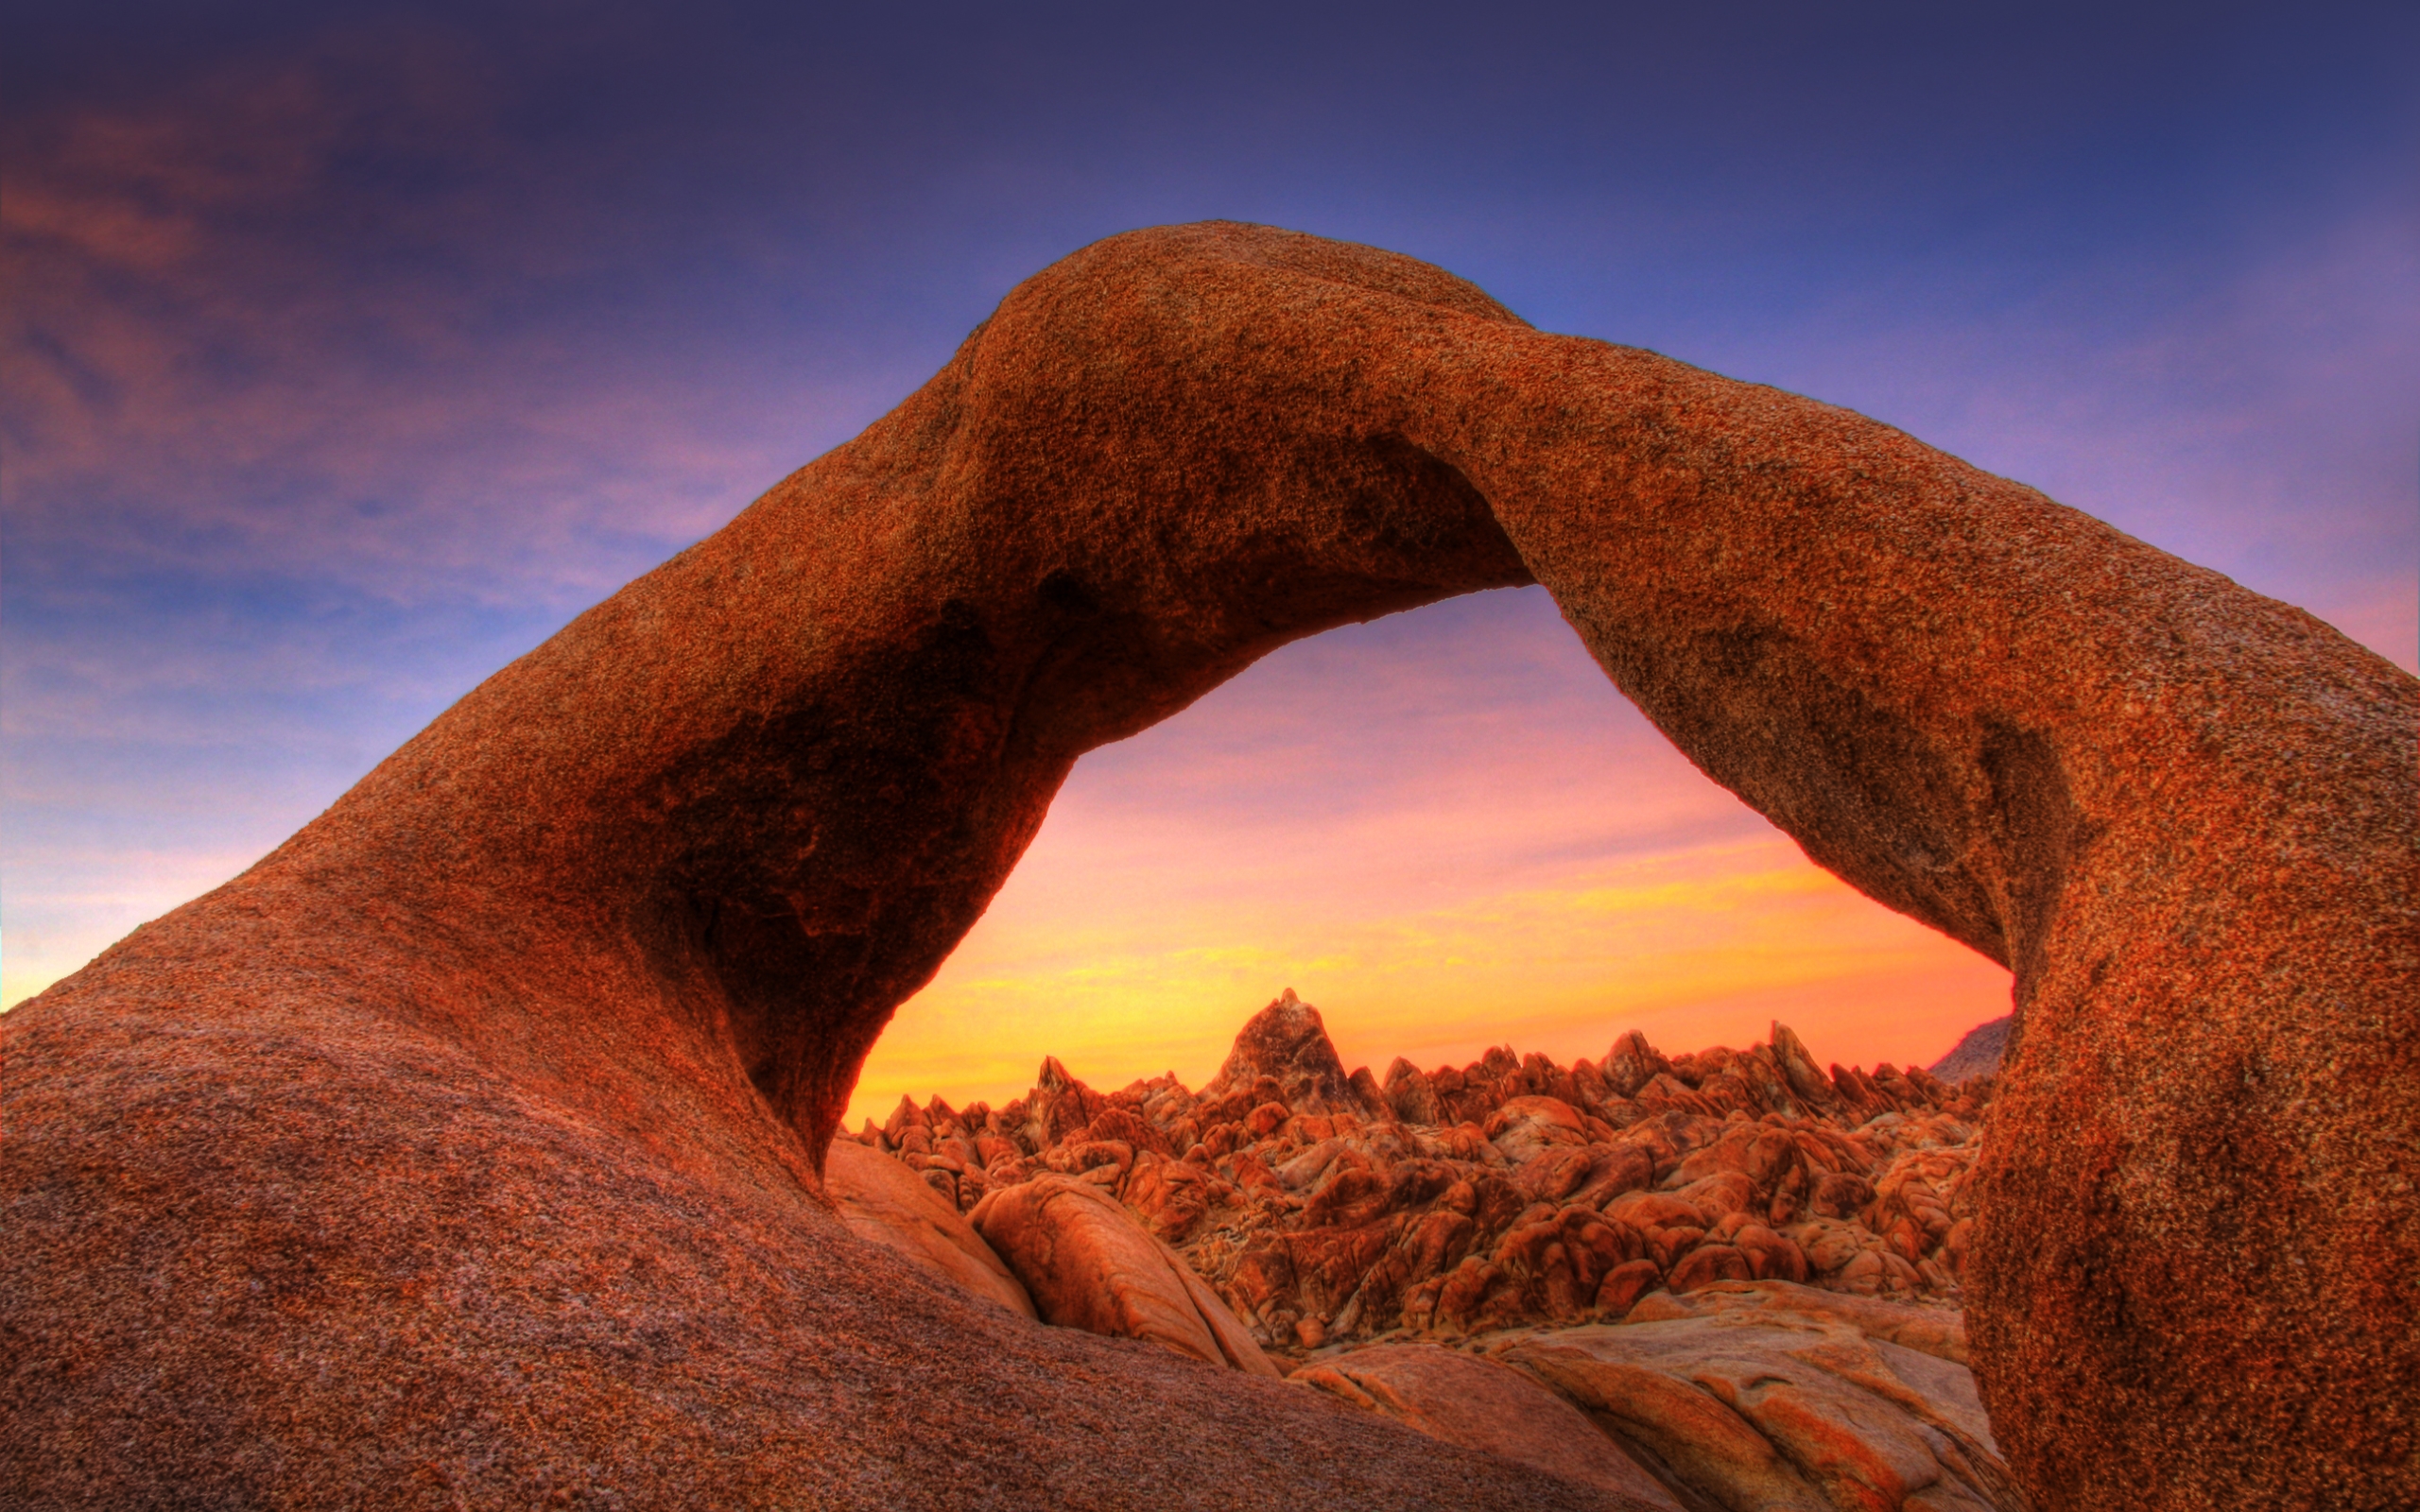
(347, 351)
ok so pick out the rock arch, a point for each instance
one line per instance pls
(551, 1015)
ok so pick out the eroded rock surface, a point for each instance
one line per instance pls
(1286, 1042)
(1557, 1194)
(1481, 1404)
(1088, 1264)
(1977, 1053)
(497, 1094)
(1757, 1411)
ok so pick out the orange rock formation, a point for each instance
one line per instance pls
(1683, 1198)
(467, 1144)
(1512, 1191)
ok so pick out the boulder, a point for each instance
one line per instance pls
(1089, 1265)
(1798, 1067)
(1632, 1064)
(1526, 1126)
(1756, 1411)
(1409, 1094)
(884, 1201)
(1481, 1404)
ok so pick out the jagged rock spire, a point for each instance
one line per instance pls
(1288, 1043)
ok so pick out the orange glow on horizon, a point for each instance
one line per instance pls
(1445, 831)
(1695, 948)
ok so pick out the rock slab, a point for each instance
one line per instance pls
(1791, 1414)
(1089, 1265)
(885, 1202)
(1481, 1404)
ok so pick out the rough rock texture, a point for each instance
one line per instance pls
(1925, 1329)
(1977, 1053)
(1287, 1043)
(495, 1096)
(1766, 1412)
(1089, 1265)
(885, 1202)
(1554, 1198)
(1481, 1404)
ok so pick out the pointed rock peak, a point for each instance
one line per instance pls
(1288, 1043)
(1053, 1077)
(1631, 1064)
(1799, 1067)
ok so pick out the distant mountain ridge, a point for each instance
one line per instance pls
(1977, 1054)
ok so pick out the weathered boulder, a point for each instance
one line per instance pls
(1480, 1404)
(1525, 1128)
(1758, 1410)
(1409, 1094)
(1089, 1265)
(1168, 1195)
(883, 1201)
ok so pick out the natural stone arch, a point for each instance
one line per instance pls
(669, 874)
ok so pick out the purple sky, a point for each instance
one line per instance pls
(351, 350)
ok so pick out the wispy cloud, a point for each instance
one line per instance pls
(297, 316)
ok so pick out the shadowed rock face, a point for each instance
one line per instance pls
(468, 1142)
(1977, 1053)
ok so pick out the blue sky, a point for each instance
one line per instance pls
(351, 349)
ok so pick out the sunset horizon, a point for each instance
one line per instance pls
(1446, 830)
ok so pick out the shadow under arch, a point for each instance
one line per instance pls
(673, 870)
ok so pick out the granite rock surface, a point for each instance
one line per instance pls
(1089, 1265)
(1484, 1404)
(1977, 1053)
(1513, 1191)
(885, 1202)
(1754, 1412)
(469, 1144)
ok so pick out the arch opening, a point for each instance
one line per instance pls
(1445, 828)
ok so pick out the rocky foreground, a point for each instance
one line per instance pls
(1727, 1278)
